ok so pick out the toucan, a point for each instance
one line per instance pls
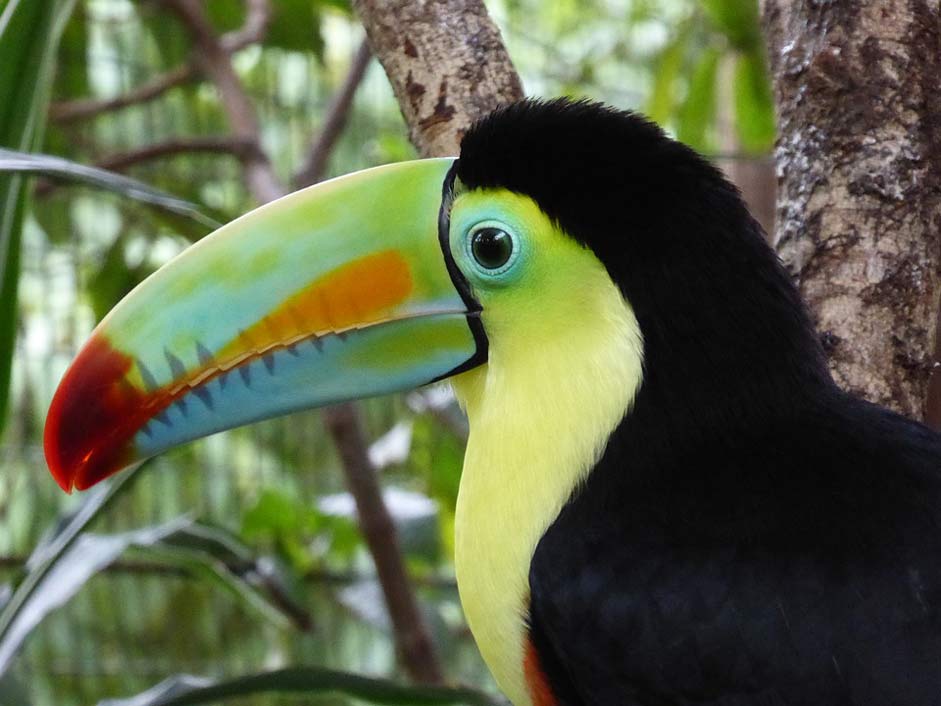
(665, 500)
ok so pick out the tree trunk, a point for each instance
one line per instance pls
(859, 183)
(446, 62)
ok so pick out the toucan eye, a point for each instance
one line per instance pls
(491, 247)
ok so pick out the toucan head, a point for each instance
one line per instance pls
(557, 218)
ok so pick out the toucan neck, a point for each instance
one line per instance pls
(541, 412)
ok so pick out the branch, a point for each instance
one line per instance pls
(378, 529)
(411, 635)
(120, 161)
(252, 32)
(254, 29)
(238, 147)
(337, 114)
(216, 64)
(72, 111)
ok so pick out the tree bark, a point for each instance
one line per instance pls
(859, 177)
(446, 62)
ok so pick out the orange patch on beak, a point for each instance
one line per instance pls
(337, 302)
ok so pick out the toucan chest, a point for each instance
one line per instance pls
(493, 588)
(530, 446)
(502, 512)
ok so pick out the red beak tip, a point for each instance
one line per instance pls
(66, 484)
(63, 479)
(93, 417)
(52, 450)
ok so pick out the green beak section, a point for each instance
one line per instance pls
(336, 292)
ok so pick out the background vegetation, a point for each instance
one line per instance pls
(242, 552)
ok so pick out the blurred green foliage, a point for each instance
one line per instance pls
(711, 83)
(29, 34)
(290, 527)
(697, 66)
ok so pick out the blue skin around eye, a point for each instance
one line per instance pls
(462, 233)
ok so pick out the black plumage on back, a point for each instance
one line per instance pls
(751, 535)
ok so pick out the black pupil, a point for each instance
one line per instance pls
(492, 247)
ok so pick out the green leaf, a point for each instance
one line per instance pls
(54, 572)
(754, 104)
(206, 569)
(71, 75)
(663, 96)
(51, 166)
(261, 582)
(295, 26)
(698, 111)
(29, 34)
(438, 458)
(55, 217)
(343, 6)
(277, 514)
(287, 524)
(14, 691)
(172, 45)
(113, 279)
(72, 569)
(186, 690)
(225, 15)
(738, 20)
(11, 223)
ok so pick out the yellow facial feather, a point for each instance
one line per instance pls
(565, 362)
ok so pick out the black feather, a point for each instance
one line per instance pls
(752, 535)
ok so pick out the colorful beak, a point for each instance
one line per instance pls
(336, 292)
